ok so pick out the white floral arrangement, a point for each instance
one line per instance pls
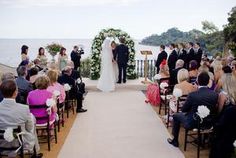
(79, 81)
(157, 77)
(8, 135)
(177, 92)
(50, 102)
(164, 85)
(97, 47)
(202, 111)
(234, 143)
(56, 93)
(67, 87)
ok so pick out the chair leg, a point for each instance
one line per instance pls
(55, 132)
(22, 152)
(198, 144)
(165, 106)
(73, 106)
(48, 138)
(62, 116)
(58, 122)
(185, 139)
(67, 109)
(168, 117)
(160, 108)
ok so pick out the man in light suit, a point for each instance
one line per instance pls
(13, 114)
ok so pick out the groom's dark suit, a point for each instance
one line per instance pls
(122, 57)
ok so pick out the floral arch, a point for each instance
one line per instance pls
(97, 47)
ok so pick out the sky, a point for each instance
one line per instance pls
(85, 18)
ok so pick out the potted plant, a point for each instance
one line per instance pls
(53, 49)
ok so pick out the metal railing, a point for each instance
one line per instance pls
(140, 68)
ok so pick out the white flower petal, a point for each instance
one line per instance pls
(67, 87)
(56, 93)
(177, 92)
(8, 135)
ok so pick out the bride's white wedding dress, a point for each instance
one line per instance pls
(106, 82)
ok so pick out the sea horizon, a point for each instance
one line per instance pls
(10, 48)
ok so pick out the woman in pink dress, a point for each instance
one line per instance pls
(55, 86)
(39, 97)
(153, 92)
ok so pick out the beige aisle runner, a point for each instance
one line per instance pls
(118, 125)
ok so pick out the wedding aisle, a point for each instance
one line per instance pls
(118, 125)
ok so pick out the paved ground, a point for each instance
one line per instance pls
(118, 125)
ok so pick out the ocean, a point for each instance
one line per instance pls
(10, 49)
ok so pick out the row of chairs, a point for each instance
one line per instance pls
(196, 136)
(43, 130)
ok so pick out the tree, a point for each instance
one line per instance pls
(209, 27)
(230, 28)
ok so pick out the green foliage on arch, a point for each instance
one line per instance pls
(97, 47)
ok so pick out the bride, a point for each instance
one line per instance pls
(106, 82)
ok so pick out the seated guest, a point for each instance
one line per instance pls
(173, 74)
(233, 67)
(164, 70)
(193, 71)
(66, 78)
(33, 76)
(228, 91)
(203, 96)
(217, 67)
(13, 114)
(37, 64)
(205, 68)
(54, 85)
(24, 86)
(6, 76)
(224, 134)
(227, 75)
(183, 84)
(39, 97)
(75, 73)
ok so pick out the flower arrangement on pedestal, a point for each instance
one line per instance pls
(97, 47)
(53, 49)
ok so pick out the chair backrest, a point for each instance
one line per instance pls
(8, 146)
(44, 117)
(166, 79)
(22, 96)
(180, 100)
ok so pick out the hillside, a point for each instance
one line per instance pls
(173, 35)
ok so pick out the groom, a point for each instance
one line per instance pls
(122, 57)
